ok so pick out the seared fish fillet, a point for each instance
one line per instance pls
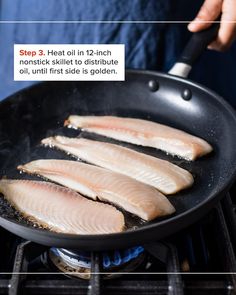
(95, 182)
(145, 133)
(60, 208)
(163, 175)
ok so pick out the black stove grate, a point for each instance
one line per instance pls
(171, 267)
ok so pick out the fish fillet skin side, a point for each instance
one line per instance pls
(99, 183)
(163, 175)
(61, 209)
(144, 133)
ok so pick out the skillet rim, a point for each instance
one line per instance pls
(192, 214)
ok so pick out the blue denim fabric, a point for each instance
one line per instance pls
(148, 46)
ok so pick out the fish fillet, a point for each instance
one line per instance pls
(60, 208)
(145, 133)
(163, 175)
(95, 182)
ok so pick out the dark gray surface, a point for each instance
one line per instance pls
(29, 116)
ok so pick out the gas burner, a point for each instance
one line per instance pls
(78, 263)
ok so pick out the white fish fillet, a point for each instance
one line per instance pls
(145, 133)
(95, 182)
(163, 175)
(60, 208)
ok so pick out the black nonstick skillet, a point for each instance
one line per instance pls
(39, 111)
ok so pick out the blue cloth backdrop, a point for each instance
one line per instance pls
(148, 46)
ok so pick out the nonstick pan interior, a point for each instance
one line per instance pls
(40, 111)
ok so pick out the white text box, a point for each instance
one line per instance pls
(69, 62)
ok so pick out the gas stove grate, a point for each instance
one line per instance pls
(190, 250)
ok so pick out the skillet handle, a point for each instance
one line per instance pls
(194, 48)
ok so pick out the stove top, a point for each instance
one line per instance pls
(198, 260)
